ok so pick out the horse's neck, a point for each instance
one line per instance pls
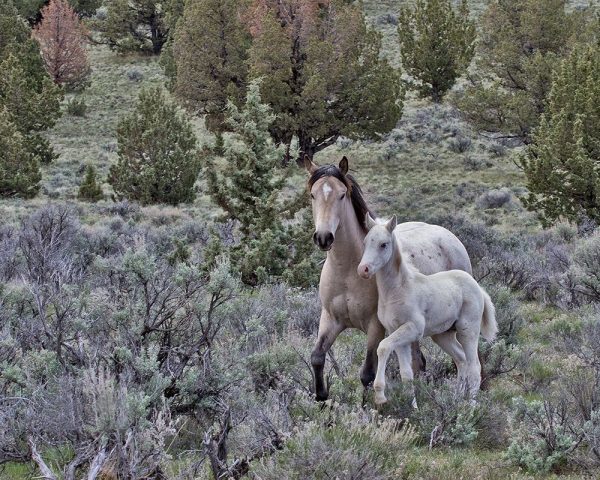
(396, 273)
(346, 250)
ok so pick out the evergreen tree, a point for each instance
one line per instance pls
(31, 9)
(521, 41)
(62, 39)
(19, 169)
(437, 44)
(158, 159)
(246, 183)
(205, 82)
(26, 91)
(563, 162)
(89, 190)
(136, 25)
(322, 72)
(32, 101)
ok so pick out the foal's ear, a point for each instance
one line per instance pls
(343, 166)
(310, 166)
(369, 222)
(391, 224)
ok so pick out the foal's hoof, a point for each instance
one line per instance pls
(380, 398)
(414, 404)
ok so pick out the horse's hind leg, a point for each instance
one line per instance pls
(329, 329)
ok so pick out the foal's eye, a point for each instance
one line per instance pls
(312, 196)
(383, 245)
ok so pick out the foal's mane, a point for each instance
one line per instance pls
(356, 196)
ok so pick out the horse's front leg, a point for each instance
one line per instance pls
(329, 329)
(375, 333)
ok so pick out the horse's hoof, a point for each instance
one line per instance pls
(321, 397)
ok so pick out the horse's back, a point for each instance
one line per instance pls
(431, 248)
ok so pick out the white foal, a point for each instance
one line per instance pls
(412, 306)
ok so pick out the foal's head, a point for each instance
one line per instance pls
(378, 246)
(330, 189)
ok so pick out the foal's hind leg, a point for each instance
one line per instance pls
(448, 343)
(468, 337)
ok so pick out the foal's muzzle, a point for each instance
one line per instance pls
(323, 240)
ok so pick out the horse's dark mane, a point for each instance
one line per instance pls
(356, 196)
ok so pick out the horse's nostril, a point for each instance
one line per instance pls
(315, 238)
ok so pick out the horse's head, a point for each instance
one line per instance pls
(329, 190)
(378, 246)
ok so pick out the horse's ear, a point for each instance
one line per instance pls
(369, 222)
(391, 224)
(310, 166)
(343, 166)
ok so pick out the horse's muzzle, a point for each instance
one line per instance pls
(323, 240)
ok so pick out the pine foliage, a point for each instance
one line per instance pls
(136, 25)
(158, 158)
(19, 169)
(521, 42)
(322, 72)
(205, 82)
(563, 162)
(437, 44)
(247, 183)
(89, 190)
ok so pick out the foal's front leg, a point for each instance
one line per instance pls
(402, 337)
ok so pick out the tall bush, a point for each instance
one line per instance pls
(158, 156)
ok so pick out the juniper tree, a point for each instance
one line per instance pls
(89, 190)
(33, 104)
(62, 39)
(437, 44)
(158, 158)
(26, 90)
(562, 163)
(204, 82)
(246, 182)
(520, 43)
(322, 72)
(19, 169)
(136, 25)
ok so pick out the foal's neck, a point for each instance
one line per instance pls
(396, 272)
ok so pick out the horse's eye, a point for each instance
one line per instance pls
(343, 195)
(384, 245)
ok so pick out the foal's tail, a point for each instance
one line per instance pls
(489, 327)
